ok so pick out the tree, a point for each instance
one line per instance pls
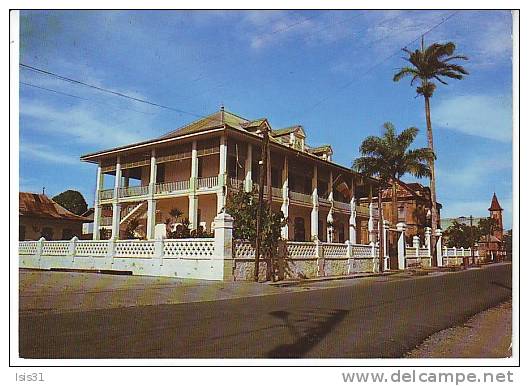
(389, 158)
(71, 200)
(243, 207)
(487, 226)
(427, 65)
(461, 235)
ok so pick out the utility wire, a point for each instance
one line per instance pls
(82, 98)
(348, 84)
(116, 93)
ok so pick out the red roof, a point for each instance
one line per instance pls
(39, 205)
(495, 205)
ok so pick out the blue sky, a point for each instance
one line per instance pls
(330, 71)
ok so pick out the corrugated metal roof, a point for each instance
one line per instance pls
(39, 205)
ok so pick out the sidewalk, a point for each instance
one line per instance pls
(57, 292)
(485, 335)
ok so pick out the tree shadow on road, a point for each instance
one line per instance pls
(320, 323)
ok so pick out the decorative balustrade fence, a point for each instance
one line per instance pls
(133, 191)
(208, 182)
(171, 187)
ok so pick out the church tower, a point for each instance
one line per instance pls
(496, 213)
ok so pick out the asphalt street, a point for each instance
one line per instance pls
(382, 317)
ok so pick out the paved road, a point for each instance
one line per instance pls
(382, 317)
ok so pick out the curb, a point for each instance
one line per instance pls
(291, 283)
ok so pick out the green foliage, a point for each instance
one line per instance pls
(179, 227)
(507, 240)
(243, 207)
(130, 231)
(487, 226)
(461, 235)
(388, 157)
(71, 200)
(432, 63)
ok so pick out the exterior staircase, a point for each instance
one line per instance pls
(133, 212)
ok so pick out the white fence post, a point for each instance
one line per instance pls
(401, 227)
(158, 250)
(40, 246)
(223, 224)
(72, 246)
(439, 247)
(349, 254)
(110, 253)
(416, 245)
(428, 239)
(320, 259)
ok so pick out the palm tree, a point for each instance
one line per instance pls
(389, 158)
(427, 65)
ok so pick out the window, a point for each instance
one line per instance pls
(47, 233)
(22, 232)
(160, 173)
(67, 234)
(299, 229)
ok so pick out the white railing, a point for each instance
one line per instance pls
(311, 250)
(424, 252)
(277, 192)
(458, 252)
(411, 251)
(172, 187)
(134, 248)
(236, 183)
(105, 221)
(297, 249)
(208, 182)
(133, 191)
(56, 248)
(106, 194)
(189, 248)
(91, 248)
(342, 205)
(334, 250)
(362, 251)
(27, 247)
(362, 210)
(300, 197)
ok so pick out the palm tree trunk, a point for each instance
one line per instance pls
(394, 208)
(433, 195)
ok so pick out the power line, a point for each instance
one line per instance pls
(346, 85)
(116, 93)
(78, 97)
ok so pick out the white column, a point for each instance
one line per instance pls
(223, 160)
(286, 201)
(223, 241)
(386, 243)
(314, 214)
(193, 211)
(248, 169)
(428, 239)
(97, 208)
(116, 207)
(352, 217)
(401, 227)
(151, 202)
(416, 244)
(194, 167)
(330, 219)
(371, 224)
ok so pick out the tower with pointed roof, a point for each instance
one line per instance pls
(495, 211)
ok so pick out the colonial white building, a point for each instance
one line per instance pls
(193, 168)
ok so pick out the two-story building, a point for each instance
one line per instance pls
(193, 168)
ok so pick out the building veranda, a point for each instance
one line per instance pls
(332, 226)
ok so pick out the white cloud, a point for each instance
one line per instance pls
(45, 153)
(80, 123)
(486, 116)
